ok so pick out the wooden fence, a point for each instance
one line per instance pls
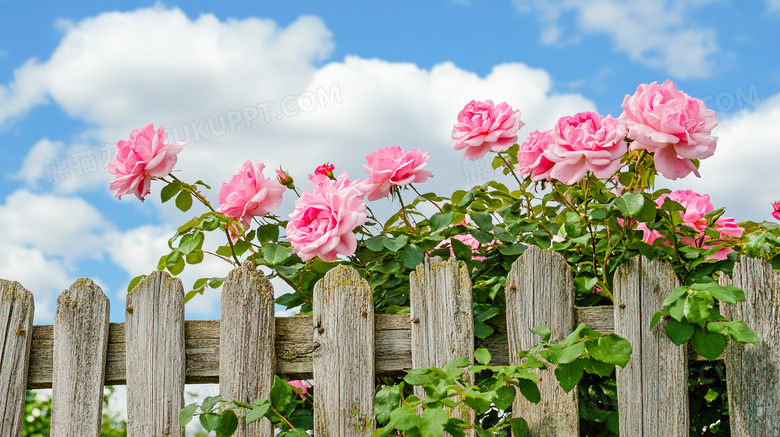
(344, 345)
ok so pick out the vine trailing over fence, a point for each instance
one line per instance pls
(584, 188)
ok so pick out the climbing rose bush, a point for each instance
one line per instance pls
(140, 159)
(531, 161)
(393, 167)
(250, 194)
(673, 126)
(483, 127)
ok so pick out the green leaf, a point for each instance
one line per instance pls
(440, 221)
(209, 402)
(679, 332)
(228, 423)
(186, 414)
(571, 353)
(519, 427)
(530, 390)
(134, 282)
(461, 250)
(393, 244)
(657, 317)
(190, 294)
(482, 330)
(483, 220)
(482, 356)
(512, 249)
(195, 257)
(718, 292)
(457, 362)
(630, 204)
(504, 397)
(543, 331)
(184, 201)
(175, 267)
(169, 191)
(697, 306)
(376, 243)
(209, 421)
(432, 423)
(674, 295)
(267, 233)
(411, 255)
(711, 395)
(709, 344)
(402, 418)
(569, 374)
(610, 348)
(386, 400)
(386, 267)
(191, 242)
(209, 223)
(258, 412)
(737, 330)
(281, 395)
(276, 253)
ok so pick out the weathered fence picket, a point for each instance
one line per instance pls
(80, 345)
(753, 371)
(654, 383)
(343, 332)
(16, 322)
(540, 291)
(247, 356)
(154, 326)
(440, 301)
(344, 345)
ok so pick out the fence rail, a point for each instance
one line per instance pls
(343, 346)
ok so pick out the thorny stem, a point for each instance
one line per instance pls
(429, 200)
(283, 418)
(511, 170)
(403, 213)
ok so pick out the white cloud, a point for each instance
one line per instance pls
(34, 167)
(742, 175)
(773, 5)
(659, 34)
(68, 227)
(44, 277)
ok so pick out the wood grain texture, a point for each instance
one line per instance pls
(343, 331)
(440, 299)
(540, 291)
(653, 387)
(753, 370)
(247, 332)
(16, 322)
(79, 360)
(155, 358)
(294, 347)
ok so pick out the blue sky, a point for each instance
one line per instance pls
(77, 77)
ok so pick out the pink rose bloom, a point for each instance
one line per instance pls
(697, 206)
(302, 387)
(140, 159)
(393, 166)
(324, 219)
(675, 127)
(585, 142)
(530, 158)
(776, 212)
(249, 193)
(483, 128)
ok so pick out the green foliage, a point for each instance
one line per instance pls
(37, 417)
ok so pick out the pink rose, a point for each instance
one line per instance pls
(776, 212)
(324, 219)
(140, 159)
(483, 128)
(697, 206)
(530, 157)
(302, 387)
(249, 193)
(393, 166)
(584, 142)
(675, 127)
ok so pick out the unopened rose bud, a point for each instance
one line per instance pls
(285, 178)
(776, 212)
(326, 170)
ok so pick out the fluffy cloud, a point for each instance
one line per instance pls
(657, 34)
(741, 175)
(44, 277)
